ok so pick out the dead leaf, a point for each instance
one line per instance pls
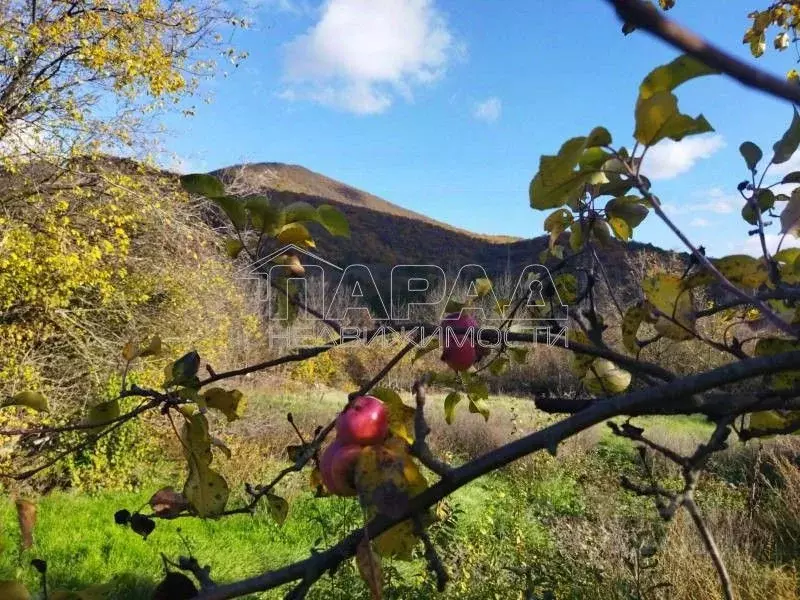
(369, 567)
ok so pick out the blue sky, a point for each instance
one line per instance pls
(444, 106)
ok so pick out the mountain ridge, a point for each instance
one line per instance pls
(275, 177)
(384, 234)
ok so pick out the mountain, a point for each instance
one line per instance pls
(384, 234)
(274, 178)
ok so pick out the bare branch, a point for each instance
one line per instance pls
(546, 438)
(419, 448)
(646, 16)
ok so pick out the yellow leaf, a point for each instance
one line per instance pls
(231, 403)
(102, 414)
(386, 478)
(130, 351)
(206, 490)
(674, 302)
(631, 322)
(278, 508)
(34, 400)
(401, 416)
(604, 377)
(153, 348)
(13, 590)
(294, 233)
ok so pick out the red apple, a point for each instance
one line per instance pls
(337, 465)
(365, 422)
(459, 351)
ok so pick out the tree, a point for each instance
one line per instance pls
(595, 190)
(80, 77)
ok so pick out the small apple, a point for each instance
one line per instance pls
(364, 423)
(337, 465)
(459, 351)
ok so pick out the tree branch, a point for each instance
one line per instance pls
(647, 17)
(547, 438)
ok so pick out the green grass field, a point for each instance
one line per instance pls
(565, 517)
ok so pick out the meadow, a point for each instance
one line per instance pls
(563, 520)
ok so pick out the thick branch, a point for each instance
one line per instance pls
(646, 16)
(547, 438)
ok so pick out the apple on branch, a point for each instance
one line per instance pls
(459, 350)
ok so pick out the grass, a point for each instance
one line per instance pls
(565, 517)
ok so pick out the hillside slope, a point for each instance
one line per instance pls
(275, 177)
(384, 234)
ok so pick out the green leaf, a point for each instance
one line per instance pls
(667, 77)
(765, 199)
(772, 346)
(600, 231)
(557, 183)
(787, 145)
(620, 228)
(203, 184)
(742, 269)
(184, 370)
(758, 44)
(518, 355)
(231, 403)
(233, 247)
(793, 177)
(749, 214)
(657, 118)
(752, 154)
(34, 400)
(295, 233)
(566, 285)
(299, 211)
(594, 158)
(767, 420)
(599, 136)
(401, 416)
(206, 490)
(450, 402)
(266, 218)
(576, 236)
(278, 508)
(630, 209)
(386, 478)
(478, 406)
(333, 221)
(101, 415)
(234, 208)
(556, 223)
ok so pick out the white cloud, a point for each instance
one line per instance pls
(793, 164)
(699, 222)
(752, 245)
(668, 159)
(362, 54)
(489, 110)
(714, 201)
